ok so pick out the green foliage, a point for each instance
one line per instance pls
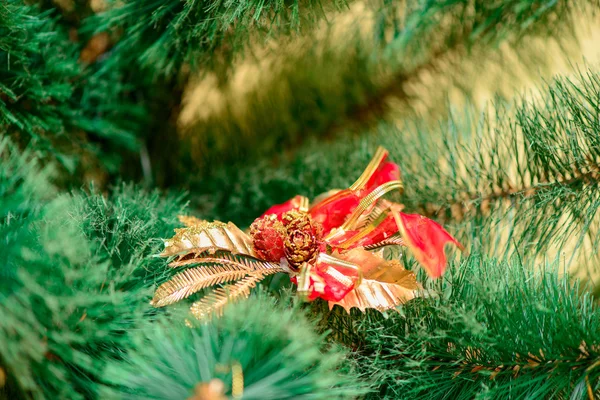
(490, 330)
(77, 269)
(280, 356)
(160, 36)
(74, 271)
(344, 81)
(533, 163)
(46, 99)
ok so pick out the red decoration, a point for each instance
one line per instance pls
(339, 215)
(330, 250)
(268, 235)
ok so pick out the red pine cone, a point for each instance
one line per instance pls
(303, 238)
(268, 235)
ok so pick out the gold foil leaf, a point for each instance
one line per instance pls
(208, 237)
(216, 301)
(378, 295)
(192, 280)
(374, 267)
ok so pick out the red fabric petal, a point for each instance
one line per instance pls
(330, 282)
(387, 171)
(426, 240)
(333, 211)
(384, 230)
(279, 209)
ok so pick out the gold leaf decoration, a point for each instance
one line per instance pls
(192, 280)
(229, 259)
(374, 294)
(253, 264)
(216, 301)
(224, 254)
(208, 237)
(394, 272)
(380, 154)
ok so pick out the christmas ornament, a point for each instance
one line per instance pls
(332, 249)
(213, 390)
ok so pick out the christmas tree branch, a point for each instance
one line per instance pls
(492, 329)
(75, 276)
(336, 82)
(534, 162)
(271, 344)
(48, 100)
(161, 36)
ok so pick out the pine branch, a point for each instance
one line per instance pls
(162, 36)
(274, 345)
(215, 302)
(339, 82)
(534, 163)
(492, 329)
(49, 102)
(74, 276)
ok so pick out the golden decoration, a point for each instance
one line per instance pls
(213, 390)
(352, 221)
(302, 240)
(289, 240)
(216, 301)
(379, 156)
(374, 294)
(237, 381)
(223, 254)
(207, 237)
(192, 280)
(384, 284)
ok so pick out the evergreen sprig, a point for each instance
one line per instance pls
(344, 81)
(489, 330)
(48, 101)
(161, 36)
(270, 345)
(76, 275)
(530, 168)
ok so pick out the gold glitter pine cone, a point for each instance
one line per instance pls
(303, 239)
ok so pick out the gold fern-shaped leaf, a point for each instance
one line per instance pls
(264, 267)
(216, 301)
(225, 258)
(192, 280)
(208, 237)
(375, 294)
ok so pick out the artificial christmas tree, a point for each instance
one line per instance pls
(117, 118)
